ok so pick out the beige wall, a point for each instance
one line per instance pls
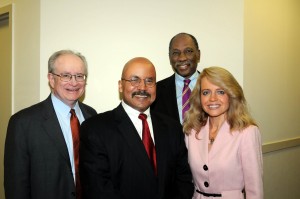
(272, 86)
(271, 81)
(282, 174)
(27, 78)
(25, 62)
(258, 42)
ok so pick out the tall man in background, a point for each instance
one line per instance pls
(39, 158)
(173, 92)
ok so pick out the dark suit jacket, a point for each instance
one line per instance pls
(166, 101)
(114, 163)
(36, 159)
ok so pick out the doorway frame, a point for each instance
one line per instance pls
(6, 15)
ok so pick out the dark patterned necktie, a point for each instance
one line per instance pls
(186, 92)
(148, 142)
(74, 122)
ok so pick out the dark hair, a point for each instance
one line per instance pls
(183, 33)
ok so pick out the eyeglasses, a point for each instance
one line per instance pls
(135, 81)
(66, 77)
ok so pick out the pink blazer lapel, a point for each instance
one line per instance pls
(197, 146)
(222, 139)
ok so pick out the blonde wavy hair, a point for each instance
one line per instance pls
(238, 116)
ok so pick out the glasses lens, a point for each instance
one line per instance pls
(149, 82)
(80, 77)
(65, 77)
(135, 82)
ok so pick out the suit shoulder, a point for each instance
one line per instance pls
(166, 119)
(88, 108)
(166, 80)
(165, 88)
(251, 129)
(31, 110)
(103, 118)
(30, 114)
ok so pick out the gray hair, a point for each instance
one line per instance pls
(54, 56)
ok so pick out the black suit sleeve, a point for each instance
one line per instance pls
(166, 101)
(16, 160)
(185, 187)
(182, 186)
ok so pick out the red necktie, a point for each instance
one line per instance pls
(186, 92)
(75, 135)
(148, 142)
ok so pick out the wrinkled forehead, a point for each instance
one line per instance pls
(141, 69)
(69, 61)
(182, 41)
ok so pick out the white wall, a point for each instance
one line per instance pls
(109, 33)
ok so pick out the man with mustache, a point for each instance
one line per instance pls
(118, 161)
(184, 55)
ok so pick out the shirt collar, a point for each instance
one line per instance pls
(131, 111)
(62, 108)
(180, 78)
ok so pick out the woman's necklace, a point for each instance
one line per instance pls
(212, 136)
(211, 139)
(213, 132)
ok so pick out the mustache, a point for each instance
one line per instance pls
(180, 63)
(141, 93)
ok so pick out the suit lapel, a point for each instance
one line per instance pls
(133, 140)
(171, 87)
(221, 140)
(52, 128)
(161, 138)
(203, 148)
(166, 91)
(85, 112)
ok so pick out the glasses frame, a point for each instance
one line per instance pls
(70, 77)
(138, 81)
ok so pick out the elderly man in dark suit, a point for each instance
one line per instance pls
(184, 55)
(131, 152)
(39, 159)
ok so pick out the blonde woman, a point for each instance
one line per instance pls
(223, 140)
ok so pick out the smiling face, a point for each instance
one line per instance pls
(184, 55)
(138, 97)
(214, 100)
(68, 92)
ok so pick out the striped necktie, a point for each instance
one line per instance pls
(186, 92)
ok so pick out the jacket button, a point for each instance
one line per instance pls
(205, 167)
(206, 184)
